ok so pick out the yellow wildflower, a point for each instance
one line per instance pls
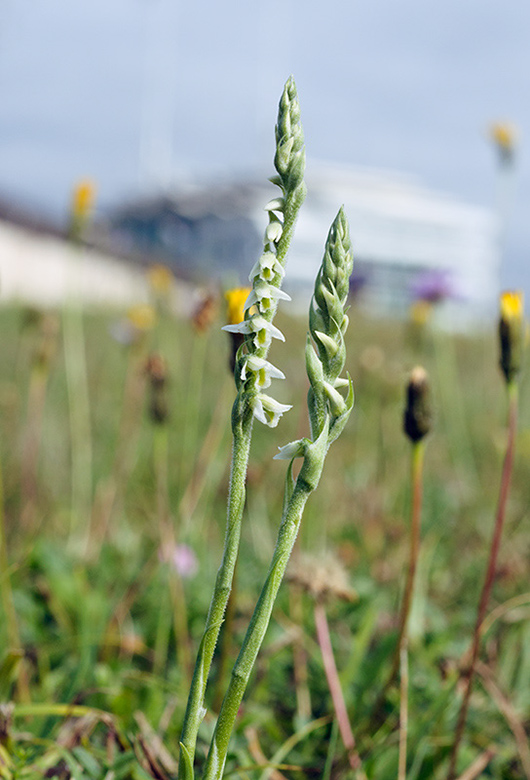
(420, 312)
(160, 278)
(512, 305)
(83, 198)
(504, 136)
(235, 303)
(142, 317)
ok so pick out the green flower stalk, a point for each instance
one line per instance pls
(253, 374)
(328, 412)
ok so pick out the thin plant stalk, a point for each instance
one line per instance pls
(167, 540)
(267, 276)
(6, 592)
(76, 366)
(201, 476)
(225, 647)
(328, 414)
(125, 452)
(223, 586)
(258, 626)
(35, 410)
(417, 459)
(490, 574)
(335, 688)
(403, 708)
(79, 413)
(192, 405)
(301, 674)
(5, 580)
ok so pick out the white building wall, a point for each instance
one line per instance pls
(398, 229)
(46, 271)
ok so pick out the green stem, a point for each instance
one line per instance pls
(223, 585)
(490, 573)
(79, 414)
(403, 709)
(5, 580)
(305, 484)
(418, 449)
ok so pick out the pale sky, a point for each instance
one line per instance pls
(135, 92)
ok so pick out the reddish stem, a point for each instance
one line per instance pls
(490, 575)
(334, 685)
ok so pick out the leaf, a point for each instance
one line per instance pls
(186, 764)
(8, 672)
(91, 766)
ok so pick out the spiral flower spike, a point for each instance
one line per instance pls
(329, 410)
(253, 373)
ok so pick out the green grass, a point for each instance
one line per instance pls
(98, 613)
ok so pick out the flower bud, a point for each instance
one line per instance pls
(418, 415)
(156, 370)
(511, 333)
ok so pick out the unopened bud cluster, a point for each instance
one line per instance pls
(328, 321)
(253, 371)
(325, 352)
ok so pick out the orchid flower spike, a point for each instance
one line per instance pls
(252, 369)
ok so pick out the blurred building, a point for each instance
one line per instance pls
(405, 237)
(40, 267)
(401, 231)
(409, 242)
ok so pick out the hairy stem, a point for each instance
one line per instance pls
(256, 630)
(223, 585)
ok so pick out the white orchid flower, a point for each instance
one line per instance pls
(263, 331)
(265, 371)
(273, 231)
(267, 267)
(267, 410)
(264, 294)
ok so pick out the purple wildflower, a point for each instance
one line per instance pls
(182, 558)
(433, 286)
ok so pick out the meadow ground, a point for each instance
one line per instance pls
(113, 529)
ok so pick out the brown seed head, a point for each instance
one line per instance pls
(418, 414)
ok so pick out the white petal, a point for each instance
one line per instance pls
(263, 293)
(274, 231)
(265, 371)
(277, 204)
(259, 412)
(251, 300)
(259, 323)
(266, 267)
(263, 289)
(242, 327)
(295, 449)
(266, 407)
